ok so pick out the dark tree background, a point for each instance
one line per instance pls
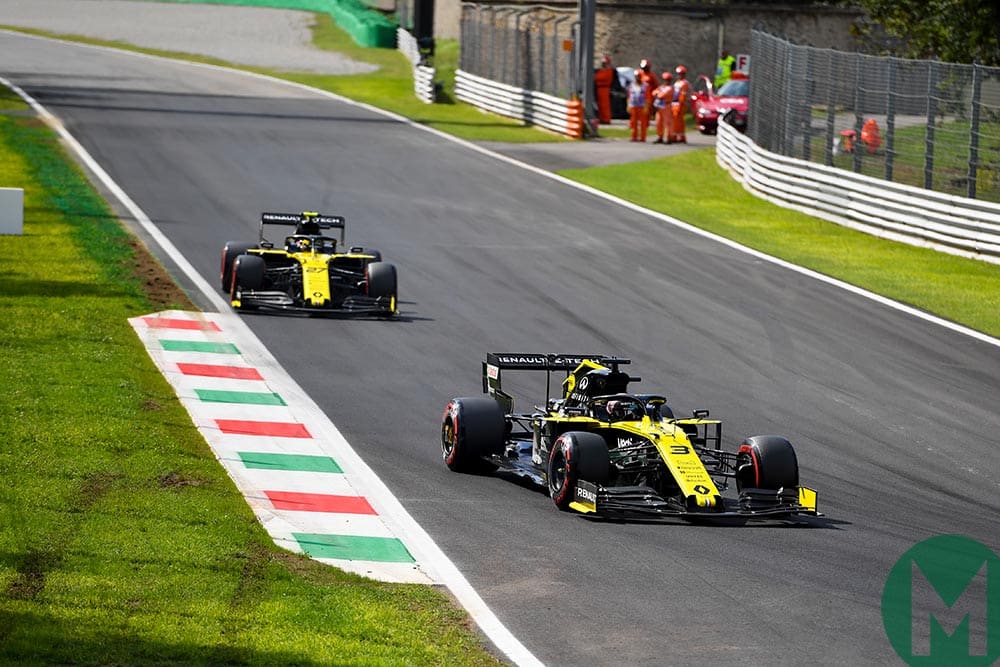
(957, 31)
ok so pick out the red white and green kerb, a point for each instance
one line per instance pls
(306, 486)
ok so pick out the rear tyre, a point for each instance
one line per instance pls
(574, 456)
(471, 429)
(230, 252)
(766, 462)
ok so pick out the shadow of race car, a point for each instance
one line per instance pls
(307, 273)
(603, 451)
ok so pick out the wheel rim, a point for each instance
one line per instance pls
(448, 439)
(557, 471)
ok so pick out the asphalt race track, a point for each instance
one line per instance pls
(894, 418)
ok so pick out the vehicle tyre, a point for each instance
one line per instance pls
(230, 252)
(574, 456)
(248, 273)
(380, 279)
(766, 462)
(471, 428)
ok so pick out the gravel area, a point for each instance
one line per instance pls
(276, 38)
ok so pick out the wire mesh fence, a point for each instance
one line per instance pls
(926, 123)
(533, 47)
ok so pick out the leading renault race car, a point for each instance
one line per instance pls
(307, 273)
(603, 451)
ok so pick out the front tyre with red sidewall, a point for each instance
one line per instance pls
(766, 462)
(574, 456)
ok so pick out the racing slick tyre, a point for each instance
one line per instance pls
(381, 279)
(766, 462)
(230, 252)
(574, 456)
(472, 428)
(248, 273)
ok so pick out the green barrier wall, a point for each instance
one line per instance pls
(367, 27)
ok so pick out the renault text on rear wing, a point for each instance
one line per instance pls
(499, 361)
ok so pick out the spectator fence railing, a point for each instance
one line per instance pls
(925, 123)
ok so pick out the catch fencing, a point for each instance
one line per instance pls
(532, 47)
(924, 123)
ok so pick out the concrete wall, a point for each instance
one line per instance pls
(693, 35)
(672, 33)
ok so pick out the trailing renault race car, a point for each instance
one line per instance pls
(307, 273)
(603, 451)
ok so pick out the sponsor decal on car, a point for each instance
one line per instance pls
(524, 360)
(586, 494)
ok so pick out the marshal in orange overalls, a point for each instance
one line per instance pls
(603, 80)
(663, 98)
(682, 93)
(638, 119)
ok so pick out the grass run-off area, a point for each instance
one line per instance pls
(122, 541)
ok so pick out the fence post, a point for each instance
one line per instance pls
(519, 80)
(805, 109)
(890, 119)
(556, 45)
(574, 71)
(831, 109)
(931, 114)
(977, 91)
(787, 143)
(475, 61)
(858, 113)
(541, 53)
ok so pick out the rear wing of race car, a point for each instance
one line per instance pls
(497, 362)
(307, 222)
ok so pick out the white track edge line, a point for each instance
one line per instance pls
(450, 575)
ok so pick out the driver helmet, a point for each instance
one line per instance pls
(622, 410)
(303, 244)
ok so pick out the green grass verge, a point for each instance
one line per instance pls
(691, 186)
(122, 540)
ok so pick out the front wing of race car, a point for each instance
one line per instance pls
(642, 501)
(356, 304)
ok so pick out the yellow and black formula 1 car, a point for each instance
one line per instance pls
(307, 273)
(603, 451)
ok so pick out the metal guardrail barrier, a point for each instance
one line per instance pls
(949, 223)
(423, 76)
(533, 107)
(920, 122)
